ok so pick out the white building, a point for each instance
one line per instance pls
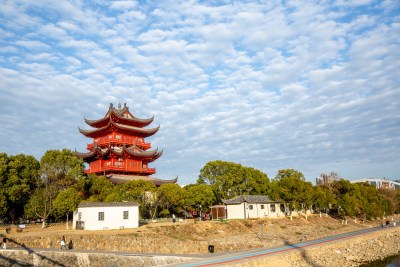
(253, 206)
(106, 215)
(379, 183)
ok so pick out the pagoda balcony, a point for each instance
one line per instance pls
(124, 140)
(122, 168)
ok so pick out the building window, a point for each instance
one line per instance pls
(262, 207)
(80, 216)
(282, 206)
(272, 207)
(250, 207)
(101, 216)
(126, 214)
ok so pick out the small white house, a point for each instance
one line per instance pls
(106, 215)
(253, 206)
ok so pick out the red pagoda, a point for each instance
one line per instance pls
(119, 151)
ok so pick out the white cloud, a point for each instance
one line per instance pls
(123, 5)
(310, 86)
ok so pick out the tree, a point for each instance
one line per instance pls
(142, 191)
(3, 203)
(323, 198)
(66, 202)
(172, 197)
(230, 179)
(63, 165)
(58, 169)
(41, 202)
(306, 198)
(391, 196)
(18, 175)
(290, 187)
(136, 190)
(200, 195)
(100, 188)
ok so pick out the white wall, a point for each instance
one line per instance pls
(235, 211)
(113, 217)
(243, 211)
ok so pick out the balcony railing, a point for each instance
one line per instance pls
(123, 167)
(128, 141)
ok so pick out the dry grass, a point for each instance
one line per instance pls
(282, 229)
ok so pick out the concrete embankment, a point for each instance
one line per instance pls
(348, 252)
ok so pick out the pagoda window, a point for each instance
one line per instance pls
(118, 163)
(117, 136)
(108, 163)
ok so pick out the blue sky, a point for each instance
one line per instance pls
(308, 85)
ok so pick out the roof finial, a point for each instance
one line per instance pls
(111, 105)
(119, 105)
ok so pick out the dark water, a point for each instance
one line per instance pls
(393, 261)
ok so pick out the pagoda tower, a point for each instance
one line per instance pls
(119, 151)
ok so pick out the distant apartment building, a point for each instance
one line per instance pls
(325, 178)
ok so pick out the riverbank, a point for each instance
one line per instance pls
(350, 250)
(190, 237)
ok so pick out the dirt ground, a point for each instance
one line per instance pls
(272, 232)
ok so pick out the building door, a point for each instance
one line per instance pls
(80, 225)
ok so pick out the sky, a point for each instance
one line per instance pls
(307, 85)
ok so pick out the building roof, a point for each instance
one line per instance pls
(249, 199)
(111, 126)
(107, 204)
(119, 115)
(121, 179)
(134, 151)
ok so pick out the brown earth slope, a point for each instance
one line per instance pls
(190, 237)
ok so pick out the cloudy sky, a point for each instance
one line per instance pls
(308, 85)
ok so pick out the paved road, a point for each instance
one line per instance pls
(255, 253)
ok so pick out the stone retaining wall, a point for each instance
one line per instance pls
(121, 243)
(48, 258)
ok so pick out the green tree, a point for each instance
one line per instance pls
(172, 197)
(199, 195)
(307, 197)
(230, 179)
(323, 198)
(3, 204)
(289, 184)
(63, 165)
(347, 196)
(66, 202)
(141, 191)
(18, 175)
(58, 169)
(136, 190)
(100, 188)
